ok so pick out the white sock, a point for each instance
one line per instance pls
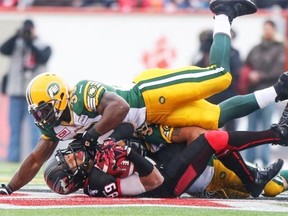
(222, 25)
(265, 96)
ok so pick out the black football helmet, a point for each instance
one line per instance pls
(60, 178)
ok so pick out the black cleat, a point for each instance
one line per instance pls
(264, 176)
(232, 8)
(282, 128)
(281, 87)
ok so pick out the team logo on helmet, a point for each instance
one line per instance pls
(53, 89)
(66, 186)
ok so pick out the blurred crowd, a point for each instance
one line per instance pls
(131, 4)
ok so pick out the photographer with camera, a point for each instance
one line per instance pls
(29, 56)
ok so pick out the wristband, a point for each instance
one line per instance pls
(143, 166)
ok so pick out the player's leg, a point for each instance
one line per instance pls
(183, 170)
(16, 116)
(252, 178)
(225, 11)
(273, 188)
(225, 143)
(172, 165)
(277, 185)
(240, 140)
(210, 116)
(199, 113)
(243, 105)
(164, 90)
(181, 165)
(225, 182)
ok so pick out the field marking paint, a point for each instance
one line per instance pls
(37, 200)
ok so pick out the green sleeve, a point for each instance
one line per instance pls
(86, 97)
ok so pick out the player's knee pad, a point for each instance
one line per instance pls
(217, 139)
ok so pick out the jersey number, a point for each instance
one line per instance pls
(111, 190)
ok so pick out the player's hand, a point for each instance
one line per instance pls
(121, 153)
(110, 156)
(89, 139)
(108, 144)
(5, 190)
(105, 153)
(77, 144)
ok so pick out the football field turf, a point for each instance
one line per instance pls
(36, 199)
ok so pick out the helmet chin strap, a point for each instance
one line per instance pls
(58, 114)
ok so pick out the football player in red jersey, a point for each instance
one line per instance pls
(68, 171)
(183, 168)
(119, 171)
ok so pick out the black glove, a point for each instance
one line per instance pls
(90, 138)
(5, 190)
(77, 145)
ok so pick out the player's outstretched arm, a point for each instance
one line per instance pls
(30, 166)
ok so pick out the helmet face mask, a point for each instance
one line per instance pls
(63, 179)
(45, 115)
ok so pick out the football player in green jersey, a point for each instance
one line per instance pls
(167, 97)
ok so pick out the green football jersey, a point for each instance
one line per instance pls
(83, 102)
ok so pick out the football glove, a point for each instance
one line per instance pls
(121, 153)
(5, 190)
(112, 155)
(77, 145)
(105, 153)
(90, 138)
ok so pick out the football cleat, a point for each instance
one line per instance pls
(232, 8)
(282, 128)
(281, 87)
(263, 176)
